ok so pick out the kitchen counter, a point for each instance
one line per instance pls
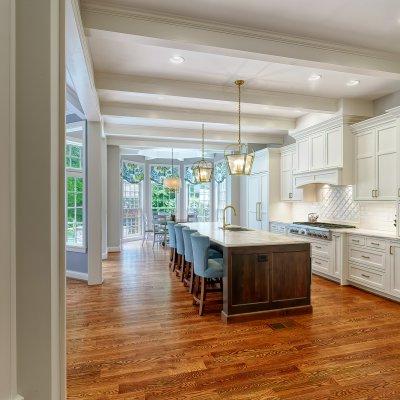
(265, 274)
(248, 238)
(368, 232)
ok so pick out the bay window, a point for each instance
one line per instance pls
(198, 197)
(163, 200)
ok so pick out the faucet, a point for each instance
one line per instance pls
(224, 224)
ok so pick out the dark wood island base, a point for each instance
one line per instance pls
(266, 281)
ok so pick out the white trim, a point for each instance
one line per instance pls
(77, 275)
(76, 249)
(18, 397)
(104, 256)
(114, 249)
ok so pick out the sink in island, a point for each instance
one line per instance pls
(265, 274)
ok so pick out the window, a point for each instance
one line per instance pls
(75, 187)
(75, 227)
(199, 200)
(132, 176)
(220, 199)
(220, 179)
(163, 200)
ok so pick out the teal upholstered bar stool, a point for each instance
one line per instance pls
(172, 244)
(205, 268)
(189, 273)
(180, 250)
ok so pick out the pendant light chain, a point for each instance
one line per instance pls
(239, 84)
(202, 142)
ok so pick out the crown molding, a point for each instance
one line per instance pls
(390, 65)
(288, 148)
(389, 115)
(337, 121)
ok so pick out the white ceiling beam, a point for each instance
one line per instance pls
(192, 135)
(217, 38)
(170, 87)
(136, 143)
(194, 115)
(79, 62)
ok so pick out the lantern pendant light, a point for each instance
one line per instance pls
(172, 182)
(239, 157)
(202, 170)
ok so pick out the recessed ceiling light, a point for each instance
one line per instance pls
(297, 111)
(353, 82)
(160, 98)
(314, 77)
(177, 60)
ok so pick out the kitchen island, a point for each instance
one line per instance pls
(265, 274)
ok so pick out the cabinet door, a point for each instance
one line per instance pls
(286, 185)
(334, 148)
(365, 165)
(387, 172)
(303, 155)
(263, 209)
(253, 199)
(317, 145)
(395, 269)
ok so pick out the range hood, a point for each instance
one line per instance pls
(325, 177)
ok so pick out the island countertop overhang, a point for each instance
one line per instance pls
(248, 238)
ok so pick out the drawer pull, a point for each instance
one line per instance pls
(375, 244)
(355, 240)
(391, 250)
(365, 276)
(316, 262)
(366, 257)
(318, 247)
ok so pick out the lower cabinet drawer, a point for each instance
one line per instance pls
(321, 249)
(367, 257)
(367, 277)
(320, 265)
(374, 243)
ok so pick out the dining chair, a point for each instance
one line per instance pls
(206, 270)
(180, 250)
(159, 229)
(172, 244)
(147, 229)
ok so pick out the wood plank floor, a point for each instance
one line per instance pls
(139, 337)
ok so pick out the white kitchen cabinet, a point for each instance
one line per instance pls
(288, 162)
(303, 155)
(334, 146)
(377, 158)
(325, 150)
(317, 151)
(257, 201)
(394, 252)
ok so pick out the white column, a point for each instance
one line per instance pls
(7, 198)
(94, 202)
(104, 250)
(113, 199)
(40, 242)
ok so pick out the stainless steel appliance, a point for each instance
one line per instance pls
(320, 230)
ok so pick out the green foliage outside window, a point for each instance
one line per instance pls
(163, 200)
(73, 156)
(74, 211)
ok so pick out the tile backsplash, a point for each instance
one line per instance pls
(335, 203)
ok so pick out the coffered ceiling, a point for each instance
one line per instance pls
(275, 46)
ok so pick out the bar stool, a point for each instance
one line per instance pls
(189, 273)
(180, 250)
(205, 268)
(172, 244)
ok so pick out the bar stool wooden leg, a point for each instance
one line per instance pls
(182, 271)
(191, 279)
(202, 295)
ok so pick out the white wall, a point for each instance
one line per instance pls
(40, 241)
(104, 198)
(7, 274)
(386, 102)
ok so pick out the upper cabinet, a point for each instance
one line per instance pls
(325, 153)
(288, 162)
(377, 157)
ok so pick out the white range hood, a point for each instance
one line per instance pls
(329, 177)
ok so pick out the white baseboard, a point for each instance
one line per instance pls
(104, 256)
(18, 397)
(77, 275)
(114, 249)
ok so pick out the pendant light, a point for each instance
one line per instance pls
(202, 170)
(239, 157)
(172, 182)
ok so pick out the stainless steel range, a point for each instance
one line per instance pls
(320, 230)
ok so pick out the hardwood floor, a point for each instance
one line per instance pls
(138, 337)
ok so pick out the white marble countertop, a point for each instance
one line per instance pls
(368, 232)
(239, 239)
